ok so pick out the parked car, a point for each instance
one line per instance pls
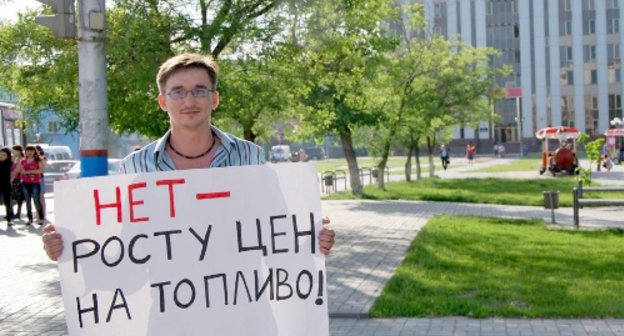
(315, 153)
(55, 170)
(280, 153)
(75, 172)
(57, 153)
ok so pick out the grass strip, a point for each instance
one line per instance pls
(482, 267)
(474, 190)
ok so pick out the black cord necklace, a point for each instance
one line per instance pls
(214, 141)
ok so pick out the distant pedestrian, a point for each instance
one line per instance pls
(607, 162)
(5, 182)
(30, 169)
(17, 189)
(471, 150)
(496, 150)
(44, 161)
(444, 156)
(501, 151)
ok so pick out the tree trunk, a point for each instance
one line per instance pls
(430, 145)
(249, 135)
(381, 167)
(417, 156)
(354, 172)
(408, 164)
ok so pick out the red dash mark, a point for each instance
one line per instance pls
(213, 195)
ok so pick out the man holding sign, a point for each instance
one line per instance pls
(187, 92)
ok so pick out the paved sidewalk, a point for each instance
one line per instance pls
(373, 237)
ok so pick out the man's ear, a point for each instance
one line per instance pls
(162, 101)
(215, 99)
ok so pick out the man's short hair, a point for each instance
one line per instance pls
(186, 61)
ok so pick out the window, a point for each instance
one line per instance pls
(613, 26)
(570, 75)
(589, 27)
(590, 4)
(566, 5)
(613, 52)
(567, 27)
(53, 127)
(590, 53)
(490, 8)
(594, 80)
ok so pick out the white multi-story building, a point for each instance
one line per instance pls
(565, 55)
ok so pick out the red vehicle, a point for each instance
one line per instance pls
(563, 158)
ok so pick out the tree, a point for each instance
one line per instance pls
(42, 70)
(255, 96)
(341, 51)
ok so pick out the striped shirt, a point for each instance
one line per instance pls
(232, 151)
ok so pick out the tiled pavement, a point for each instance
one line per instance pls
(372, 237)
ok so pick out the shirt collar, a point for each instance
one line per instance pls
(226, 142)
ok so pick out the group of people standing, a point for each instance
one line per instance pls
(21, 180)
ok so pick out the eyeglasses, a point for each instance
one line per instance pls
(179, 94)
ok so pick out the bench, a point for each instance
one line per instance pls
(579, 201)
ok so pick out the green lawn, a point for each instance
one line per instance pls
(481, 267)
(371, 162)
(473, 190)
(517, 165)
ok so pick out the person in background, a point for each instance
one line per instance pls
(5, 182)
(42, 187)
(444, 156)
(187, 92)
(17, 189)
(470, 153)
(30, 169)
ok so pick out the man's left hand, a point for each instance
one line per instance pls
(326, 237)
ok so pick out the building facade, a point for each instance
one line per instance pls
(565, 56)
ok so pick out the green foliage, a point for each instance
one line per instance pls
(42, 70)
(592, 150)
(493, 267)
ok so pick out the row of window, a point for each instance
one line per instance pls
(510, 6)
(589, 4)
(591, 76)
(589, 53)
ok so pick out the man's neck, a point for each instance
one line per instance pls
(192, 143)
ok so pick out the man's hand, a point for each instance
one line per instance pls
(326, 238)
(52, 242)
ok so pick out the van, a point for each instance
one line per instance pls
(54, 153)
(280, 153)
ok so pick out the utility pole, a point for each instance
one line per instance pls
(93, 99)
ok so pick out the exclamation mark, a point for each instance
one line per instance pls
(319, 300)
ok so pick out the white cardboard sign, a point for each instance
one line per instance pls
(225, 251)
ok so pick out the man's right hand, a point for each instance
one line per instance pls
(52, 242)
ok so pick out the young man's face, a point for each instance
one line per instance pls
(190, 112)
